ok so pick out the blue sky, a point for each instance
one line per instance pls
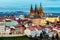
(25, 4)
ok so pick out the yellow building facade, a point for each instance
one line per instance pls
(54, 19)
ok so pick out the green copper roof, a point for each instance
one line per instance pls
(12, 23)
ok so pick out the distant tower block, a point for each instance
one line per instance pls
(41, 13)
(32, 12)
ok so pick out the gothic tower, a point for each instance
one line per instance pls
(41, 13)
(36, 10)
(32, 12)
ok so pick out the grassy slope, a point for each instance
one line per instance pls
(14, 38)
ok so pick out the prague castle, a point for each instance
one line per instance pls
(37, 12)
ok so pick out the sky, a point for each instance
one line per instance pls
(25, 4)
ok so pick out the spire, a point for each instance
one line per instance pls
(31, 9)
(41, 13)
(35, 8)
(31, 12)
(41, 6)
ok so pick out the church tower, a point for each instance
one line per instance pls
(32, 13)
(36, 10)
(41, 13)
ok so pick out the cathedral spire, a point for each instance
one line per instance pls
(31, 12)
(41, 7)
(36, 10)
(31, 9)
(41, 13)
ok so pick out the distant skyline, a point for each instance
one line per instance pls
(25, 4)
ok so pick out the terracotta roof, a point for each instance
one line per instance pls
(2, 18)
(17, 26)
(39, 28)
(53, 31)
(32, 28)
(58, 28)
(12, 17)
(12, 29)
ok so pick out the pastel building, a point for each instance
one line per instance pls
(54, 19)
(2, 25)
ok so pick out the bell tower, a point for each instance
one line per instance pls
(36, 10)
(41, 13)
(31, 12)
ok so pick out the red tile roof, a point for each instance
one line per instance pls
(12, 29)
(39, 28)
(2, 18)
(32, 28)
(58, 28)
(12, 17)
(53, 31)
